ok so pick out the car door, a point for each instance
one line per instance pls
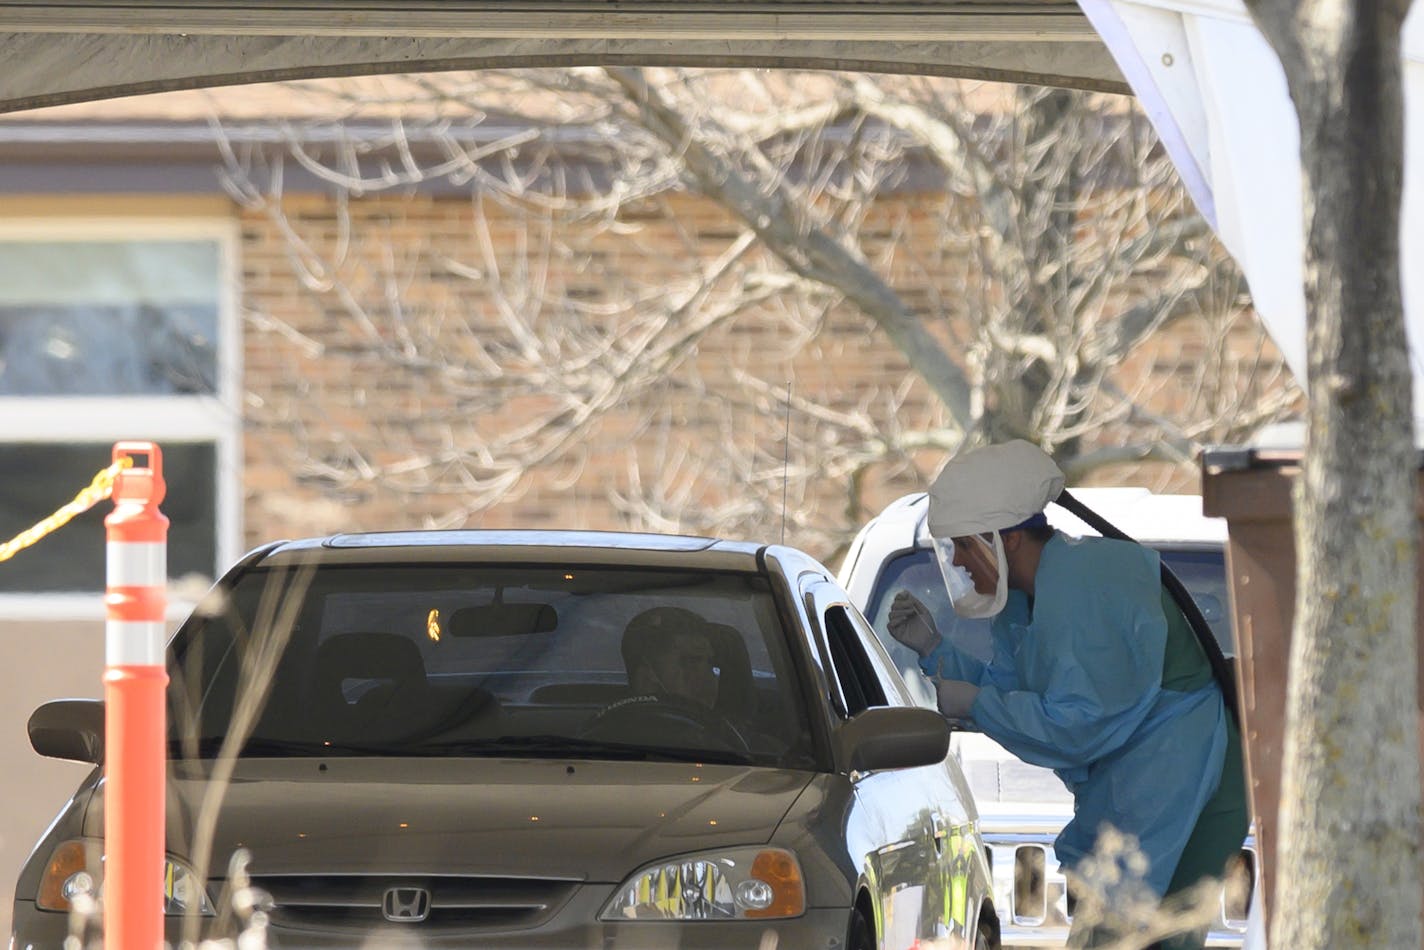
(960, 847)
(903, 823)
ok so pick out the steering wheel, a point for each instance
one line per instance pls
(652, 718)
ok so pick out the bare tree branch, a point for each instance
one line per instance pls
(785, 227)
(649, 257)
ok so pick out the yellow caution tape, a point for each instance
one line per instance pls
(96, 491)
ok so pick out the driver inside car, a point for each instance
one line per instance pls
(668, 655)
(675, 679)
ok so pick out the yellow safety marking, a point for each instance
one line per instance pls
(96, 491)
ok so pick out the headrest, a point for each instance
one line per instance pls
(729, 652)
(384, 656)
(653, 625)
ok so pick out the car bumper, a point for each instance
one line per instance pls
(817, 929)
(1031, 893)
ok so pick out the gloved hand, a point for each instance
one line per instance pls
(909, 621)
(956, 697)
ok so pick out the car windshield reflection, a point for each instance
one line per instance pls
(438, 660)
(1202, 572)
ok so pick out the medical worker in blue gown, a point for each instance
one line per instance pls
(1095, 673)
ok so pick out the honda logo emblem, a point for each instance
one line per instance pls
(406, 905)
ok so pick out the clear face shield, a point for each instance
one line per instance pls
(976, 573)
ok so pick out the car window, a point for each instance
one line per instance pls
(859, 684)
(917, 572)
(1202, 572)
(434, 659)
(880, 661)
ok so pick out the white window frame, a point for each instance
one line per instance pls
(108, 419)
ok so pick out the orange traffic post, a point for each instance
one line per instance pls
(135, 681)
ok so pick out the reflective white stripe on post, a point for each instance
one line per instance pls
(134, 642)
(137, 564)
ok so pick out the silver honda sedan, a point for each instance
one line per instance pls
(534, 739)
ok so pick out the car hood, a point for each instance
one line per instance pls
(594, 821)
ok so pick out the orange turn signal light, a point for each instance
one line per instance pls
(69, 860)
(780, 871)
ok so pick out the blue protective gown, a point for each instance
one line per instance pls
(1075, 685)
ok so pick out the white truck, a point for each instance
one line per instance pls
(1023, 807)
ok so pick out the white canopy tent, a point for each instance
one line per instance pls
(73, 50)
(1217, 96)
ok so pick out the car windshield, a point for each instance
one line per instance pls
(1202, 572)
(441, 660)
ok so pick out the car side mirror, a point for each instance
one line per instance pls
(69, 729)
(892, 737)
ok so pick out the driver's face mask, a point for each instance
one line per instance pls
(976, 573)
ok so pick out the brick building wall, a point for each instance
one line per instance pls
(311, 386)
(332, 416)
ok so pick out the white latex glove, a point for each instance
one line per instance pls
(909, 621)
(956, 698)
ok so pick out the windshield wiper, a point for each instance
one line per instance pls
(210, 747)
(555, 746)
(539, 747)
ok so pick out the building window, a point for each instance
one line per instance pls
(115, 329)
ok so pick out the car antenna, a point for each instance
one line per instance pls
(785, 460)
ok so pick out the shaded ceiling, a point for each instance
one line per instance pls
(62, 52)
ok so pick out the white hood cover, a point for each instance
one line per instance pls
(1216, 94)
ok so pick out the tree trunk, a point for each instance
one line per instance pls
(1348, 872)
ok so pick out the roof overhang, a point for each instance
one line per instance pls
(62, 52)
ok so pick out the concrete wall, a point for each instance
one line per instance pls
(39, 661)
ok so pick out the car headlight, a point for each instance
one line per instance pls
(732, 884)
(182, 891)
(76, 867)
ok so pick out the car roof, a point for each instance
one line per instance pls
(1145, 515)
(1142, 514)
(552, 547)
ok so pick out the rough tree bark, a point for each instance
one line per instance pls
(1349, 851)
